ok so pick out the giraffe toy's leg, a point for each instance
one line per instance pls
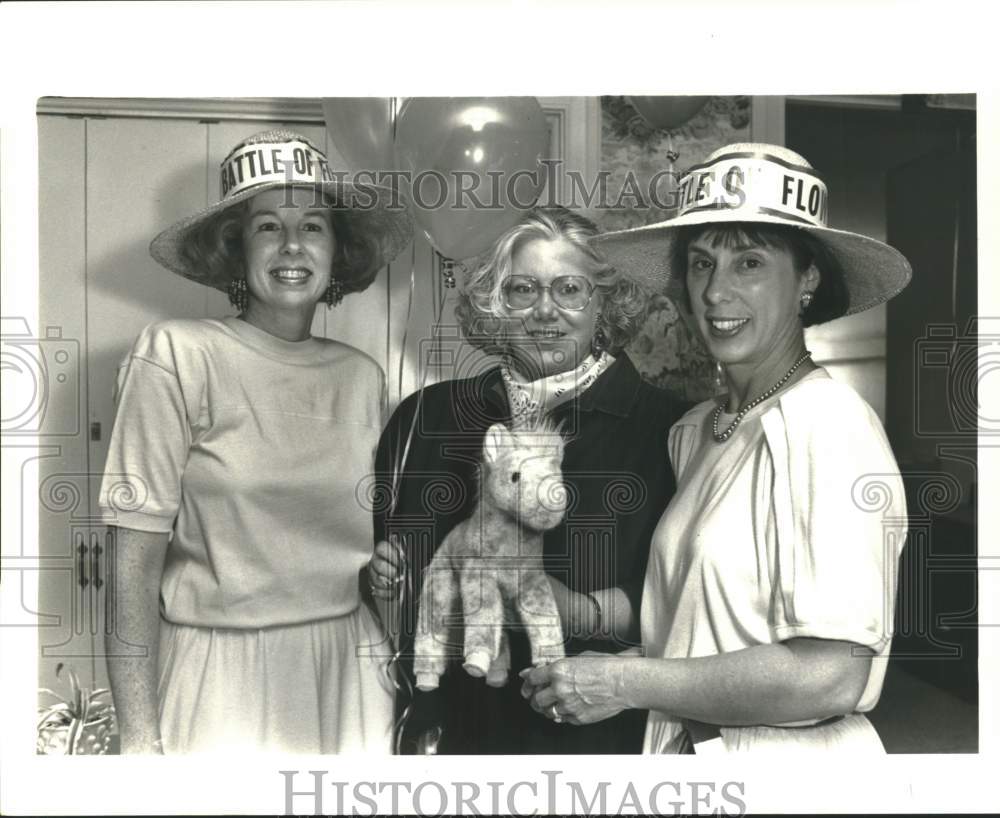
(437, 601)
(499, 668)
(482, 606)
(540, 617)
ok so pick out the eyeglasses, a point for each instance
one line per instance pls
(568, 292)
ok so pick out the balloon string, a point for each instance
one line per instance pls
(398, 678)
(395, 673)
(672, 156)
(393, 670)
(406, 323)
(400, 463)
(393, 667)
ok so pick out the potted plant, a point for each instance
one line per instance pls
(81, 724)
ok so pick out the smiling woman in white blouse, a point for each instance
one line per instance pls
(767, 610)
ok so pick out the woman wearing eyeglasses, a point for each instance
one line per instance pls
(557, 316)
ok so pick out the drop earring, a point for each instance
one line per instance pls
(598, 341)
(334, 293)
(237, 292)
(805, 300)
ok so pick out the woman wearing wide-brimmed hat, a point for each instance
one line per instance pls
(768, 602)
(232, 474)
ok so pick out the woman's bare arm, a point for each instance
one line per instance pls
(139, 568)
(796, 680)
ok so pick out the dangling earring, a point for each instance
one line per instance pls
(237, 291)
(805, 300)
(599, 341)
(334, 293)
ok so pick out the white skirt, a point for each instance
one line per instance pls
(852, 734)
(316, 687)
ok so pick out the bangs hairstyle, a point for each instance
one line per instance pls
(480, 311)
(830, 299)
(216, 246)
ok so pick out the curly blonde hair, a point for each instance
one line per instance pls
(480, 311)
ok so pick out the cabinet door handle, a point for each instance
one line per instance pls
(79, 613)
(95, 563)
(95, 582)
(81, 551)
(109, 594)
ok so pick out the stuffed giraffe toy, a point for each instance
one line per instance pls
(490, 565)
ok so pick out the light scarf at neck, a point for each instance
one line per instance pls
(532, 400)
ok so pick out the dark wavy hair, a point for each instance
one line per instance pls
(216, 246)
(830, 299)
(480, 311)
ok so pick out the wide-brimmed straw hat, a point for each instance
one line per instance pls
(280, 158)
(763, 184)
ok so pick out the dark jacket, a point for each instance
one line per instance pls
(619, 473)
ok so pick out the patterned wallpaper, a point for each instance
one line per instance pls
(666, 351)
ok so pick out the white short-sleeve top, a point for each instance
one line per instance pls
(791, 528)
(252, 453)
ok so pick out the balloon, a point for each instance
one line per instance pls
(667, 113)
(361, 130)
(474, 165)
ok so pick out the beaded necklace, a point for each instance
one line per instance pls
(722, 437)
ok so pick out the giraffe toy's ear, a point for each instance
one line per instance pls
(496, 437)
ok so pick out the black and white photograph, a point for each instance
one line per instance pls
(435, 441)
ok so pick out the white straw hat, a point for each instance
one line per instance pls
(762, 184)
(279, 158)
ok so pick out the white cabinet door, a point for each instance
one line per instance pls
(142, 175)
(69, 543)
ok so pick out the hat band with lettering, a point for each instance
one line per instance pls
(756, 184)
(291, 162)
